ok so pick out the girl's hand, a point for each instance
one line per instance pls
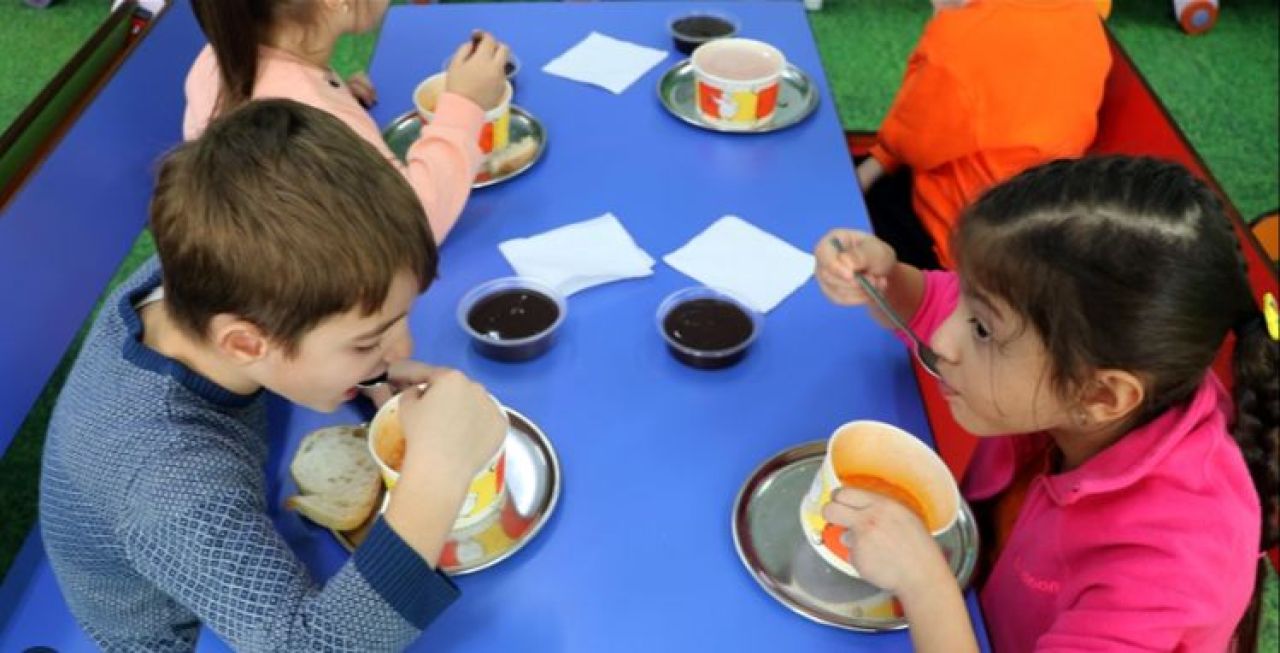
(362, 90)
(888, 543)
(862, 253)
(478, 71)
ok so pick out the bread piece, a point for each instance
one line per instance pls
(337, 513)
(512, 157)
(338, 480)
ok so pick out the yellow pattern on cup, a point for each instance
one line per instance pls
(502, 131)
(482, 494)
(746, 101)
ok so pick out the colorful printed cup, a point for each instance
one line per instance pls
(387, 443)
(737, 82)
(492, 535)
(884, 459)
(496, 133)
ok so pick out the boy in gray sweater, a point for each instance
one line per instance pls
(289, 256)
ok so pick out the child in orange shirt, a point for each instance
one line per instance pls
(281, 48)
(994, 87)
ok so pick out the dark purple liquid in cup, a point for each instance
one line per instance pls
(708, 325)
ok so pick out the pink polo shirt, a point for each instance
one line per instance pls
(442, 163)
(1150, 545)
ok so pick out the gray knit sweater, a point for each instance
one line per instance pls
(154, 513)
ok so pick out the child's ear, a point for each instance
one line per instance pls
(1112, 395)
(238, 339)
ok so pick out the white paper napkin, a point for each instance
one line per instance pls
(606, 62)
(579, 255)
(748, 262)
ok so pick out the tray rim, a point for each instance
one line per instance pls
(412, 114)
(554, 487)
(814, 101)
(769, 469)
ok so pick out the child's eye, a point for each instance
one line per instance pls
(365, 349)
(979, 329)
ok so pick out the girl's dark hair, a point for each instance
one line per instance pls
(235, 29)
(1129, 263)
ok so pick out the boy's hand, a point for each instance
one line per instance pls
(362, 90)
(862, 253)
(477, 70)
(400, 375)
(888, 543)
(451, 429)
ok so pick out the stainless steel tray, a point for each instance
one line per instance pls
(771, 544)
(797, 98)
(400, 133)
(533, 490)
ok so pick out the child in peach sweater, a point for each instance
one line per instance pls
(281, 49)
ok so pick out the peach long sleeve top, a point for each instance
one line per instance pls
(440, 166)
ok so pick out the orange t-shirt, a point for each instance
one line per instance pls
(993, 88)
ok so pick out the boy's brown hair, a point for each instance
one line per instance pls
(283, 216)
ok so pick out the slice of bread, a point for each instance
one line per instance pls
(512, 157)
(338, 480)
(337, 513)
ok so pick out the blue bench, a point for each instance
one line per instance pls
(62, 235)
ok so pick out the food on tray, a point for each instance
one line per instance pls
(513, 157)
(338, 481)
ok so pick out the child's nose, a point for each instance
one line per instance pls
(401, 346)
(946, 340)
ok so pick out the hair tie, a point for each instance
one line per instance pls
(1265, 320)
(1271, 315)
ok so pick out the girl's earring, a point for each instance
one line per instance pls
(1082, 417)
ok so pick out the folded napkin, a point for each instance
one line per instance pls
(751, 264)
(606, 62)
(579, 255)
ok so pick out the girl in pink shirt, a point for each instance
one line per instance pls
(1076, 337)
(281, 49)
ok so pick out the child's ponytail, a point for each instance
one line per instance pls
(1256, 430)
(1257, 390)
(234, 28)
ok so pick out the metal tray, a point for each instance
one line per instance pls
(797, 98)
(404, 130)
(533, 489)
(771, 544)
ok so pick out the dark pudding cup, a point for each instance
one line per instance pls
(707, 329)
(691, 30)
(511, 319)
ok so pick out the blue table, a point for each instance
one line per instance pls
(61, 237)
(639, 556)
(69, 226)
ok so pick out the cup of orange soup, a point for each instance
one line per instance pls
(496, 132)
(387, 446)
(884, 459)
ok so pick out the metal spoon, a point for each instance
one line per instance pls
(369, 384)
(928, 358)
